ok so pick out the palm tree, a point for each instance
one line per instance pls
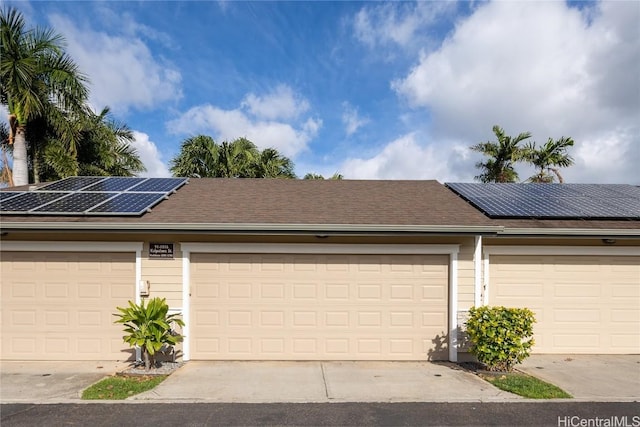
(272, 164)
(316, 176)
(38, 79)
(201, 157)
(198, 158)
(549, 158)
(237, 159)
(502, 155)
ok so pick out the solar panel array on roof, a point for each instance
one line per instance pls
(534, 200)
(91, 196)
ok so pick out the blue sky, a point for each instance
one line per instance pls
(373, 90)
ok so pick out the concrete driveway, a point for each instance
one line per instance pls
(586, 377)
(260, 382)
(613, 378)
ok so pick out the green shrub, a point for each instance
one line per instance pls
(500, 337)
(149, 327)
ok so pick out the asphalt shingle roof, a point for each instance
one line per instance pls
(309, 202)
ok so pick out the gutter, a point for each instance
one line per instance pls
(318, 229)
(248, 228)
(571, 232)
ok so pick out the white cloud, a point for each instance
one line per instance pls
(541, 67)
(281, 103)
(406, 158)
(397, 23)
(255, 120)
(351, 119)
(150, 156)
(123, 71)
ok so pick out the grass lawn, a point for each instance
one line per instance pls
(121, 387)
(525, 385)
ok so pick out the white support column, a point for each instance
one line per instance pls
(485, 278)
(453, 307)
(186, 303)
(477, 266)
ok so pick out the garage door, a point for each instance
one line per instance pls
(318, 307)
(59, 306)
(583, 304)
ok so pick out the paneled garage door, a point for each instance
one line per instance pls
(59, 306)
(583, 304)
(318, 307)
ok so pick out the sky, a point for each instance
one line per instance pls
(371, 90)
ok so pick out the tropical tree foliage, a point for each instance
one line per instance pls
(103, 149)
(507, 151)
(549, 158)
(502, 155)
(201, 157)
(38, 81)
(317, 176)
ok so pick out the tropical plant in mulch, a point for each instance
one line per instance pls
(150, 328)
(500, 337)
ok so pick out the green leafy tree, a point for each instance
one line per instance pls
(502, 155)
(201, 157)
(549, 158)
(38, 79)
(149, 327)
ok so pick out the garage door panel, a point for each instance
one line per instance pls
(65, 311)
(306, 307)
(583, 304)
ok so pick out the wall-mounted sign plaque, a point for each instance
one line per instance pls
(161, 250)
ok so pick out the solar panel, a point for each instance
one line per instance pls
(4, 195)
(536, 200)
(156, 185)
(29, 200)
(75, 202)
(73, 183)
(130, 203)
(115, 184)
(91, 196)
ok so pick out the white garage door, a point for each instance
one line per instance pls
(583, 304)
(318, 307)
(59, 306)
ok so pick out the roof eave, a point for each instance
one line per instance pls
(248, 228)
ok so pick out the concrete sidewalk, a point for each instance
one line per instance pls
(586, 377)
(268, 382)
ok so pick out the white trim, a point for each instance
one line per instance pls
(312, 248)
(477, 274)
(294, 248)
(186, 302)
(485, 278)
(453, 307)
(563, 250)
(24, 246)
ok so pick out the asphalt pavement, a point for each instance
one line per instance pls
(557, 414)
